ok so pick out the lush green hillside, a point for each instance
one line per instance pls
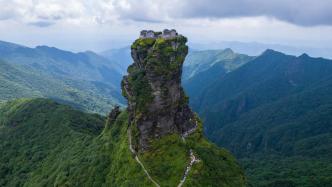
(84, 80)
(276, 109)
(47, 144)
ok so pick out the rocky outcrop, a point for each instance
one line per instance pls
(114, 114)
(157, 104)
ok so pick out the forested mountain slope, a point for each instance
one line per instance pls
(275, 109)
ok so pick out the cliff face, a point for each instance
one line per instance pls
(157, 104)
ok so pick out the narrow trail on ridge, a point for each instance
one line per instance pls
(193, 158)
(138, 160)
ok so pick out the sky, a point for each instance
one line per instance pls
(97, 25)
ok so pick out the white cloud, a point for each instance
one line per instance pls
(97, 24)
(301, 12)
(38, 11)
(147, 10)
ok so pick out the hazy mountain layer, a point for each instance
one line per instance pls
(84, 80)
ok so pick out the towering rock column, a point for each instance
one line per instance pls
(157, 104)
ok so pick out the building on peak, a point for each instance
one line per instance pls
(166, 34)
(147, 34)
(169, 33)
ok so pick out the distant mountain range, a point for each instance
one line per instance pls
(85, 80)
(200, 61)
(256, 48)
(202, 68)
(274, 113)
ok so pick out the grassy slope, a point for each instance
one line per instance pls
(47, 144)
(217, 167)
(169, 157)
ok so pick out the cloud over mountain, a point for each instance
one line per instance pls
(301, 12)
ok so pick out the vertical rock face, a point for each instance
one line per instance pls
(157, 104)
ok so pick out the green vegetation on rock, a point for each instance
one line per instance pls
(141, 90)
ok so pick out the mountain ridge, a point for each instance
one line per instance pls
(273, 111)
(69, 77)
